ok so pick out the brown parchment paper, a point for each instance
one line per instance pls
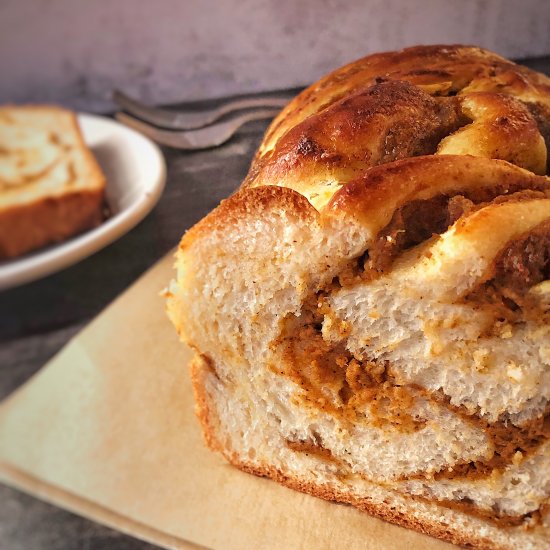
(106, 429)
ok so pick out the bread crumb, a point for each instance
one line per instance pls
(506, 331)
(517, 458)
(514, 372)
(481, 359)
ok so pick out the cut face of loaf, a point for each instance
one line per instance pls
(380, 335)
(51, 186)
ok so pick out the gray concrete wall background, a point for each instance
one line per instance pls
(75, 52)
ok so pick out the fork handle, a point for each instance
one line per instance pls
(174, 120)
(203, 138)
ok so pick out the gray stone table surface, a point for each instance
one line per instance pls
(36, 320)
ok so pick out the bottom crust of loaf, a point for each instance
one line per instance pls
(49, 220)
(426, 517)
(382, 510)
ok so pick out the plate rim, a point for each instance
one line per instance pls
(41, 263)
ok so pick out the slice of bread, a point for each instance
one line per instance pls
(371, 310)
(51, 186)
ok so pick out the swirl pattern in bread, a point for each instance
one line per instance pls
(371, 310)
(51, 186)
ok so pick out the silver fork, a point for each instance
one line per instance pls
(174, 120)
(203, 138)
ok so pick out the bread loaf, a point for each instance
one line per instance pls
(371, 310)
(51, 186)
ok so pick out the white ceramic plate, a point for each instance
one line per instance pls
(135, 172)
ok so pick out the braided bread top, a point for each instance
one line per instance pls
(425, 100)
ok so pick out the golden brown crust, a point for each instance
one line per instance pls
(383, 123)
(382, 510)
(198, 368)
(502, 127)
(373, 198)
(418, 101)
(48, 220)
(444, 70)
(251, 203)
